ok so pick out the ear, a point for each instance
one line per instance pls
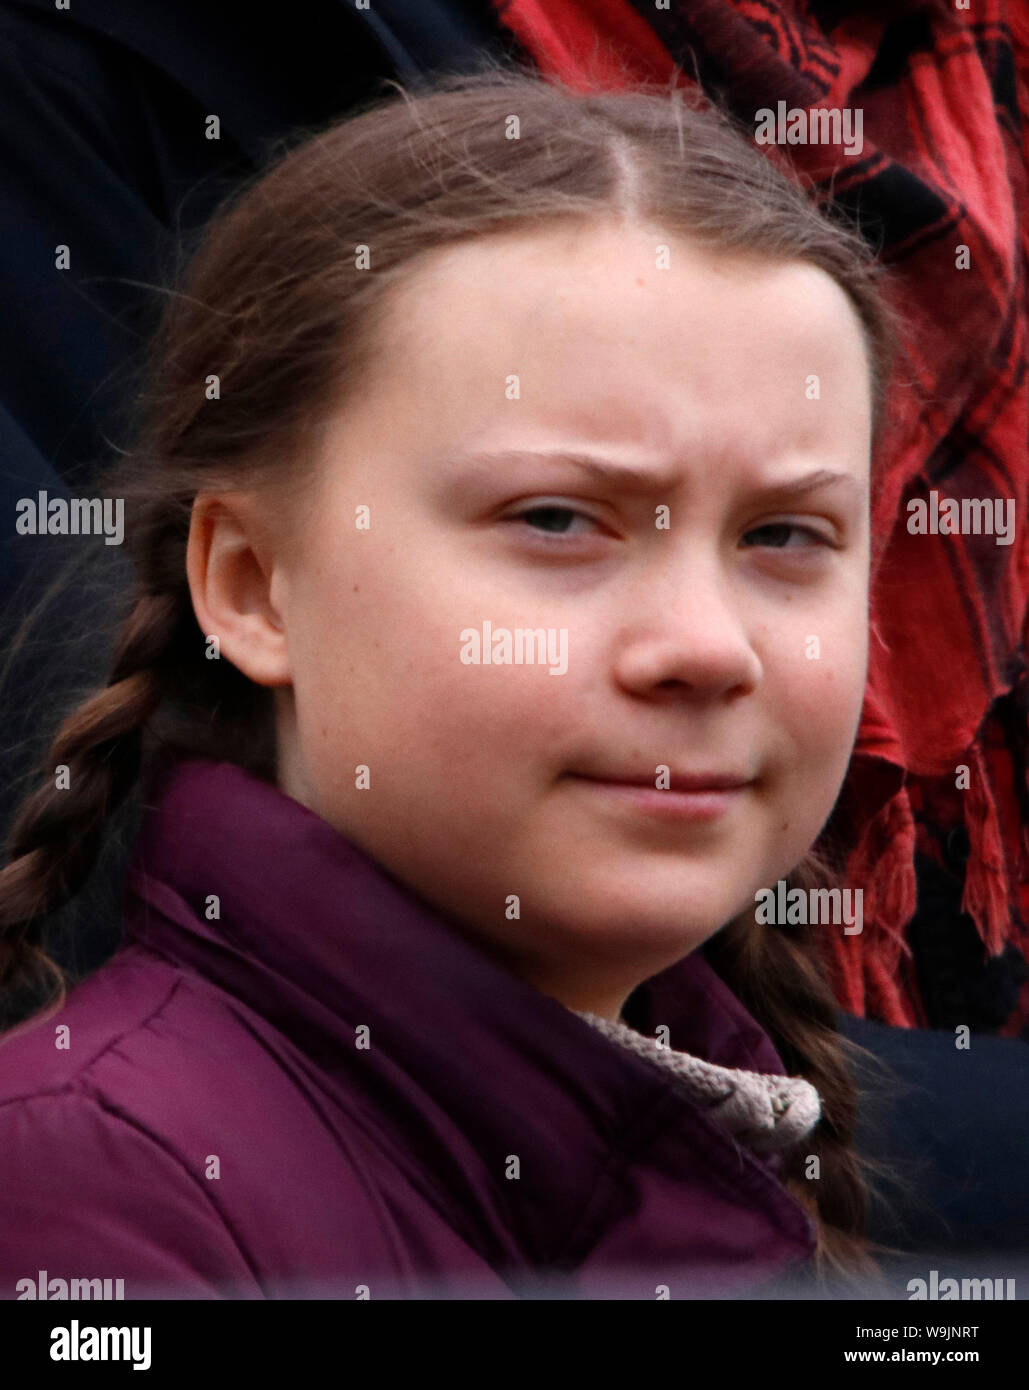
(234, 585)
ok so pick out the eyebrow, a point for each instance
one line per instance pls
(611, 472)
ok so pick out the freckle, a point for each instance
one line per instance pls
(356, 589)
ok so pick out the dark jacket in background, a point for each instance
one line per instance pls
(104, 109)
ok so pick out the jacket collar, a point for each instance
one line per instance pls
(456, 1064)
(766, 1111)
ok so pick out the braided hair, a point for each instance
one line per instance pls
(782, 973)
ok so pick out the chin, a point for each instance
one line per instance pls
(678, 921)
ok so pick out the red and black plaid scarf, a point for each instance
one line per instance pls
(945, 98)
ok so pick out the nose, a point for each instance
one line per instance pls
(685, 635)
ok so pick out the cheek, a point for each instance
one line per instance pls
(822, 690)
(378, 673)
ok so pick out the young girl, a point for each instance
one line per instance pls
(500, 517)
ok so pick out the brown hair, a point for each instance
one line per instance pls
(273, 304)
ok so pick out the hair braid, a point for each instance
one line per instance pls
(54, 840)
(779, 973)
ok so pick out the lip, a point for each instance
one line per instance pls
(689, 797)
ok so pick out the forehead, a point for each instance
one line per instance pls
(629, 333)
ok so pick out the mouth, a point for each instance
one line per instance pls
(699, 796)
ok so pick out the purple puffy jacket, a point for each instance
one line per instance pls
(294, 1079)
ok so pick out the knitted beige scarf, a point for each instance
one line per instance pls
(765, 1111)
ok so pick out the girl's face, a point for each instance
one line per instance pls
(664, 469)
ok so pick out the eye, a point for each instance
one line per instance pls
(780, 530)
(551, 518)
